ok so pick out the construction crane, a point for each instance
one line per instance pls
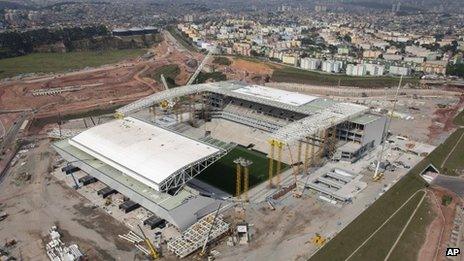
(200, 67)
(137, 106)
(377, 176)
(153, 252)
(164, 81)
(203, 249)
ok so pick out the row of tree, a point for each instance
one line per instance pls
(15, 43)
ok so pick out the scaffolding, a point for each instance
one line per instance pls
(194, 237)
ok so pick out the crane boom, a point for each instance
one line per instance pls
(164, 81)
(200, 67)
(203, 249)
(147, 101)
(153, 253)
(385, 132)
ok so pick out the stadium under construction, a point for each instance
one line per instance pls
(157, 146)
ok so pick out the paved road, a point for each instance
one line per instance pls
(454, 184)
(10, 136)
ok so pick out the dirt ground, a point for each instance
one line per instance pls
(434, 231)
(443, 119)
(439, 231)
(36, 204)
(101, 88)
(251, 67)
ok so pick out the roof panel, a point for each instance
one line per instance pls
(290, 98)
(146, 152)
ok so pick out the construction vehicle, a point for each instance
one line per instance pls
(108, 201)
(318, 240)
(153, 252)
(3, 216)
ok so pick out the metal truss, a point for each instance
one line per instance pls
(315, 121)
(224, 88)
(195, 236)
(182, 176)
(322, 120)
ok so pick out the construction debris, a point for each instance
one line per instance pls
(57, 251)
(131, 237)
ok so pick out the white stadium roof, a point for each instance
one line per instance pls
(148, 153)
(290, 98)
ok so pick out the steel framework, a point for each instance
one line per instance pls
(316, 120)
(186, 173)
(194, 237)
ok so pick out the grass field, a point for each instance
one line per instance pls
(215, 76)
(221, 60)
(459, 119)
(456, 159)
(340, 247)
(60, 62)
(222, 173)
(386, 236)
(170, 73)
(414, 235)
(294, 75)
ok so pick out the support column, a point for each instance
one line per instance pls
(279, 161)
(313, 147)
(298, 157)
(245, 183)
(271, 163)
(238, 176)
(306, 157)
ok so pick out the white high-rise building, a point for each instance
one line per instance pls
(398, 70)
(374, 69)
(332, 66)
(356, 70)
(310, 63)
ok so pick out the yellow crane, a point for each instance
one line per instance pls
(153, 252)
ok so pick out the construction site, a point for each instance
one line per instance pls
(288, 149)
(226, 170)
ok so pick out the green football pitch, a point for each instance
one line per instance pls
(222, 173)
